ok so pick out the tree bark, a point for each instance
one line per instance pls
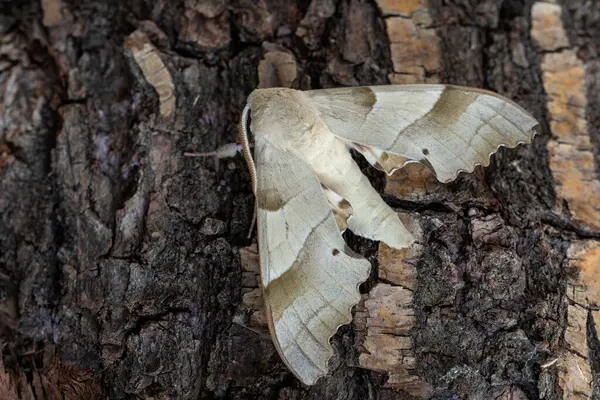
(120, 268)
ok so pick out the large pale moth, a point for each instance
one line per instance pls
(309, 189)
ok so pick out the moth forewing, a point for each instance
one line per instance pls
(448, 128)
(310, 280)
(308, 188)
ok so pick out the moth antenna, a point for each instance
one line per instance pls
(247, 144)
(194, 154)
(226, 151)
(243, 128)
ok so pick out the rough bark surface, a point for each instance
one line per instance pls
(120, 271)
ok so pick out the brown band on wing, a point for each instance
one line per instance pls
(346, 103)
(451, 105)
(485, 92)
(281, 292)
(269, 199)
(442, 118)
(446, 112)
(365, 94)
(288, 293)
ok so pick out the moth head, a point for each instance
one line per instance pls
(281, 113)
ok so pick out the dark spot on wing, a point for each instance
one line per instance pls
(425, 151)
(335, 252)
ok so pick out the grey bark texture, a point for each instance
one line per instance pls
(119, 264)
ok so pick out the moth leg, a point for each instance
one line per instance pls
(342, 209)
(253, 223)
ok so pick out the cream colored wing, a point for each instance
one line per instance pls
(448, 128)
(309, 277)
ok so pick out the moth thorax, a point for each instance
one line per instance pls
(315, 139)
(281, 113)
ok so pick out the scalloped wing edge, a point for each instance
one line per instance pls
(535, 131)
(347, 320)
(390, 171)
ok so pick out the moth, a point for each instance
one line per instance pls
(309, 190)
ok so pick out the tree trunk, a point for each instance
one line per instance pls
(125, 270)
